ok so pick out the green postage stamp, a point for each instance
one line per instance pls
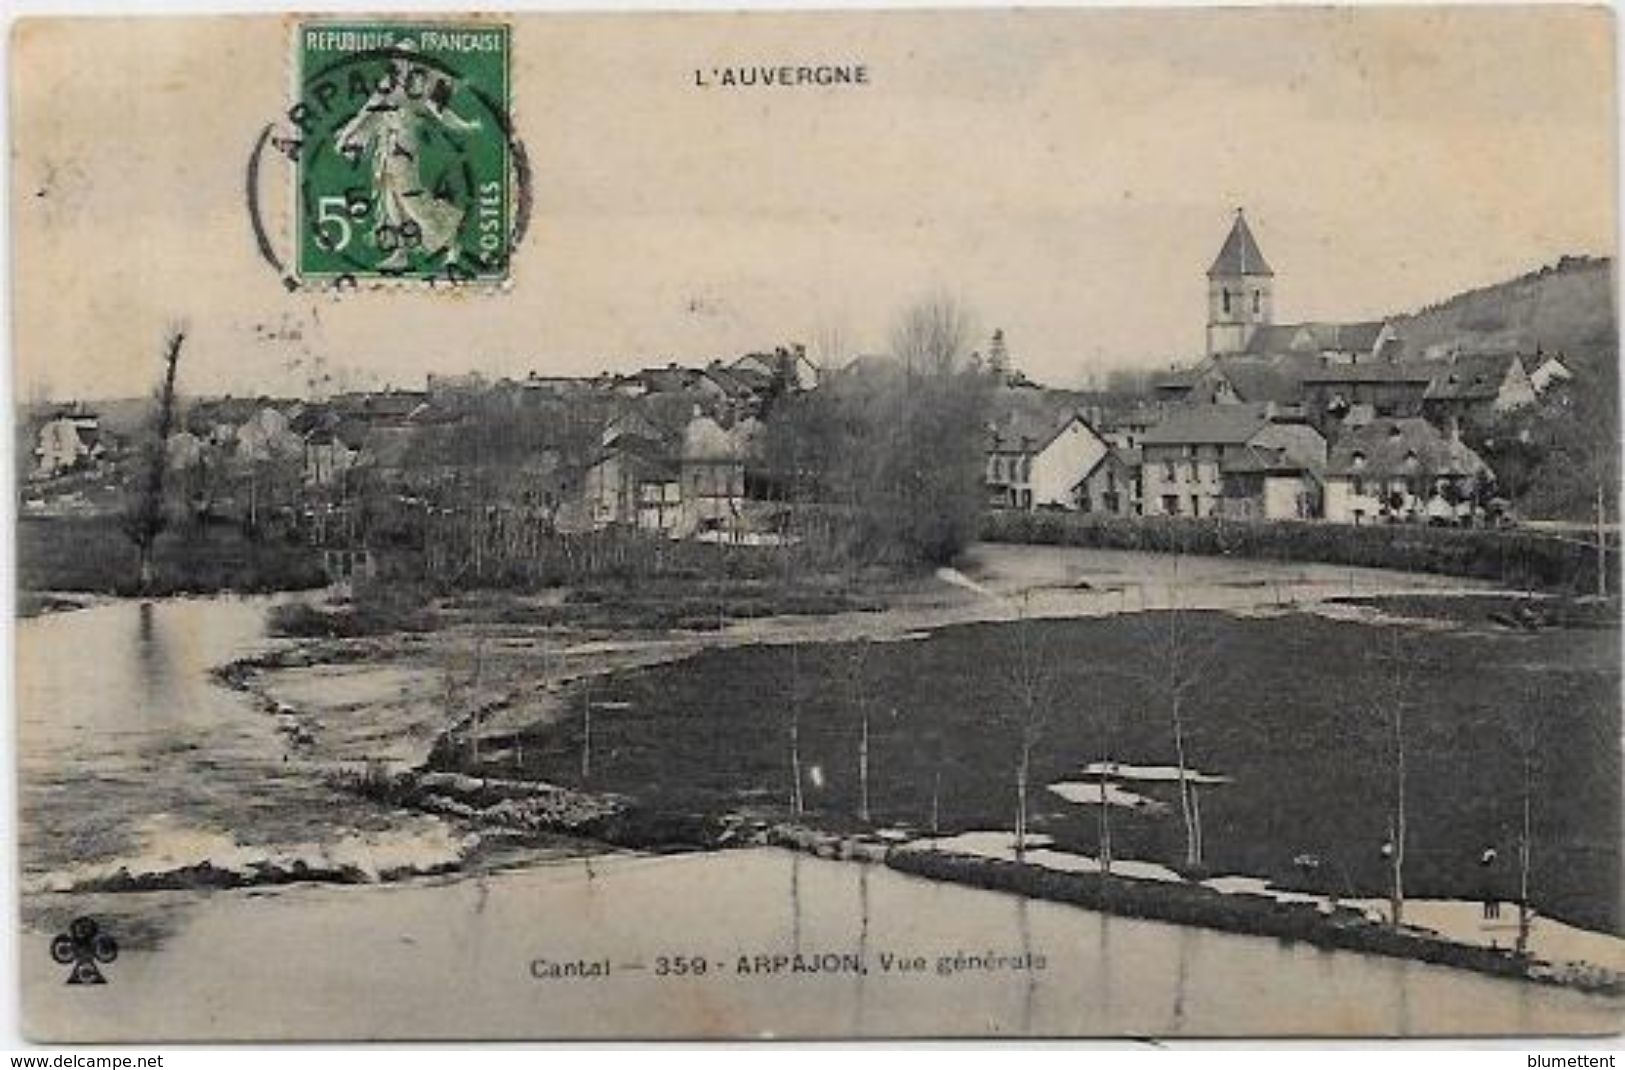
(405, 163)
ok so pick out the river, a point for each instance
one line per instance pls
(133, 757)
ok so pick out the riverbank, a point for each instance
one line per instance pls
(1241, 905)
(1041, 873)
(722, 779)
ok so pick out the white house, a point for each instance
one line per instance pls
(68, 441)
(1547, 372)
(1037, 460)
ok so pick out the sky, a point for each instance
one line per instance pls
(1066, 176)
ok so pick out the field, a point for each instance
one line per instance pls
(1295, 709)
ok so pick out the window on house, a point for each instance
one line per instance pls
(1168, 471)
(1258, 298)
(1170, 504)
(1227, 301)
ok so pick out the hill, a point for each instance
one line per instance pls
(1567, 308)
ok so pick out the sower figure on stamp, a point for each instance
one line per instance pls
(409, 102)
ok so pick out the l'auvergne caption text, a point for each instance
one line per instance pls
(782, 76)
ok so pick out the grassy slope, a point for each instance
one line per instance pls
(1287, 713)
(93, 554)
(1569, 309)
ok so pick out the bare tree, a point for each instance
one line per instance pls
(1104, 819)
(797, 797)
(857, 657)
(145, 520)
(1183, 658)
(933, 336)
(1394, 678)
(1527, 741)
(1029, 677)
(831, 347)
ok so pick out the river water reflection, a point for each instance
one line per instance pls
(127, 746)
(475, 957)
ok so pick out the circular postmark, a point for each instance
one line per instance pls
(404, 162)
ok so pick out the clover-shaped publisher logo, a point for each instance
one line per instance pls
(82, 947)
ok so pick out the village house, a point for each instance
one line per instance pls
(70, 439)
(1548, 371)
(1113, 486)
(1402, 469)
(675, 482)
(330, 443)
(1183, 458)
(712, 466)
(216, 421)
(633, 482)
(1264, 483)
(1336, 394)
(1036, 458)
(267, 436)
(1124, 428)
(788, 365)
(1476, 387)
(1230, 379)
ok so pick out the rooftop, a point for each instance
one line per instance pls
(1402, 446)
(1240, 254)
(1208, 425)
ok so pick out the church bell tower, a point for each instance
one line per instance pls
(1240, 295)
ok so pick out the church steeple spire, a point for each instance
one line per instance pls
(1240, 254)
(1240, 287)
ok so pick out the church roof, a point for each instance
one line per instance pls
(1361, 338)
(1240, 255)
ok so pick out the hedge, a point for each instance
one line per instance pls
(1512, 557)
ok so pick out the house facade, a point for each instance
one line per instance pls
(66, 442)
(1402, 470)
(1476, 387)
(1548, 371)
(1263, 483)
(1354, 393)
(1184, 457)
(1113, 487)
(676, 485)
(1036, 461)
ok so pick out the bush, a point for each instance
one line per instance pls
(376, 609)
(1514, 558)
